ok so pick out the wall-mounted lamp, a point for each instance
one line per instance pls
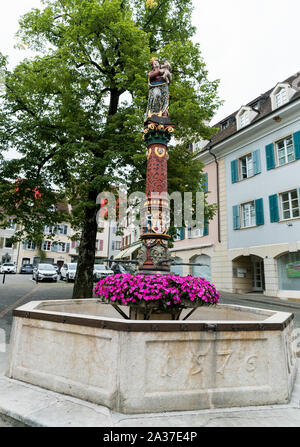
(277, 119)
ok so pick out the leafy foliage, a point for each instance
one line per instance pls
(75, 111)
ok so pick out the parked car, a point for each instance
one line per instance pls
(8, 267)
(118, 268)
(44, 271)
(101, 271)
(26, 269)
(68, 272)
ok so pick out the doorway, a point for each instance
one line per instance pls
(258, 278)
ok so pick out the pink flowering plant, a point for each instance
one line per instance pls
(168, 291)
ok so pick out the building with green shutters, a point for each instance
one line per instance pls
(260, 217)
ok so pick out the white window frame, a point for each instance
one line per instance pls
(29, 245)
(118, 245)
(248, 207)
(61, 247)
(249, 166)
(49, 244)
(291, 209)
(281, 97)
(244, 119)
(289, 137)
(10, 224)
(277, 101)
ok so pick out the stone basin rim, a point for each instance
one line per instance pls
(277, 321)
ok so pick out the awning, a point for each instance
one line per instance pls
(128, 252)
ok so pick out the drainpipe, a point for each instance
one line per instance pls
(218, 193)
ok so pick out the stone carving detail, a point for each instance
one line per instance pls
(142, 256)
(251, 363)
(169, 367)
(226, 356)
(158, 253)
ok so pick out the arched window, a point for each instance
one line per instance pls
(288, 266)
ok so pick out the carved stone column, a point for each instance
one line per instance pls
(156, 213)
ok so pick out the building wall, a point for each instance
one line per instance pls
(13, 251)
(263, 185)
(188, 250)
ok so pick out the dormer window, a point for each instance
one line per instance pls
(281, 95)
(244, 119)
(244, 116)
(225, 125)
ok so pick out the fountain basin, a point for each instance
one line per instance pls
(222, 356)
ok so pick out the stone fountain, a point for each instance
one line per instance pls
(221, 356)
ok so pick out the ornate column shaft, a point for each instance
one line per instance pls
(156, 213)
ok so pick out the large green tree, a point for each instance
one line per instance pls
(75, 111)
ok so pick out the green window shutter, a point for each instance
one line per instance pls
(274, 209)
(270, 156)
(236, 217)
(68, 247)
(65, 229)
(205, 182)
(259, 212)
(256, 162)
(182, 233)
(296, 138)
(234, 171)
(206, 227)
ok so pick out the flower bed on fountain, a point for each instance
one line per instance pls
(158, 294)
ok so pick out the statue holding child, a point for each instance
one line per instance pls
(159, 80)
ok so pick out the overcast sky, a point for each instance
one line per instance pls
(248, 45)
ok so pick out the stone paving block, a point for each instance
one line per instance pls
(71, 414)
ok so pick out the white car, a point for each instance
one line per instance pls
(101, 271)
(45, 271)
(8, 267)
(68, 272)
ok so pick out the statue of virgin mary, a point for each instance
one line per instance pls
(159, 79)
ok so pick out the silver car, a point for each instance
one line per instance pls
(68, 272)
(101, 271)
(45, 271)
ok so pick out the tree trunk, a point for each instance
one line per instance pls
(84, 277)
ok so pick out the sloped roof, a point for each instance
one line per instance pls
(264, 110)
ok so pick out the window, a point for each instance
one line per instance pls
(61, 229)
(117, 245)
(61, 247)
(225, 125)
(285, 151)
(8, 243)
(30, 245)
(244, 119)
(289, 205)
(10, 224)
(280, 97)
(248, 215)
(46, 246)
(246, 167)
